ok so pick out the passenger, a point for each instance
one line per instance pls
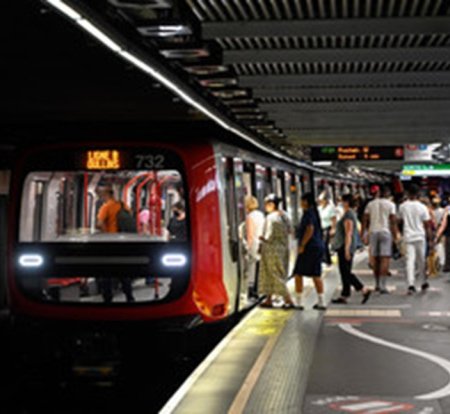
(177, 224)
(431, 257)
(255, 229)
(379, 229)
(107, 223)
(274, 254)
(439, 212)
(327, 214)
(144, 221)
(346, 244)
(107, 214)
(310, 251)
(416, 222)
(444, 230)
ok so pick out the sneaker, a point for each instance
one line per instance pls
(411, 290)
(339, 301)
(384, 291)
(425, 287)
(366, 297)
(319, 307)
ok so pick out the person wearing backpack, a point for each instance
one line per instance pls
(346, 244)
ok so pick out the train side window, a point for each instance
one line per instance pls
(306, 183)
(249, 179)
(260, 184)
(268, 188)
(288, 193)
(281, 189)
(291, 197)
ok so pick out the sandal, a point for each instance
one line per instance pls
(266, 305)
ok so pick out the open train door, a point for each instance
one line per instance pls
(235, 193)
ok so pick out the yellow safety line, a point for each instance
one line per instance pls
(244, 393)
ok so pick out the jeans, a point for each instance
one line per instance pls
(348, 278)
(415, 261)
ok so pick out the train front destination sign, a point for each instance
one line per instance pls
(357, 153)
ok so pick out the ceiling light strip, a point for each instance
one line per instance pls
(126, 54)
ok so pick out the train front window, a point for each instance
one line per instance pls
(103, 206)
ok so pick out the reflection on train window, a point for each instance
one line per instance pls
(104, 290)
(107, 206)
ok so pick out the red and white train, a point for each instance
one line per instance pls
(60, 263)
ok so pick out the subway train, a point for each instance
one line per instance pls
(184, 271)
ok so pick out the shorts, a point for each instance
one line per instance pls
(380, 243)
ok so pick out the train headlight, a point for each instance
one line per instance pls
(174, 260)
(31, 260)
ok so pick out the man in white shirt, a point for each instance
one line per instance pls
(378, 230)
(416, 229)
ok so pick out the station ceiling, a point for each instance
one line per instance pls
(287, 73)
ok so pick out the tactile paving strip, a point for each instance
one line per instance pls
(283, 382)
(366, 313)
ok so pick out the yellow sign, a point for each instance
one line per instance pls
(103, 160)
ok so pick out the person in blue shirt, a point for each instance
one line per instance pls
(311, 249)
(346, 242)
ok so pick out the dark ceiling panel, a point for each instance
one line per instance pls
(419, 54)
(354, 80)
(342, 27)
(300, 67)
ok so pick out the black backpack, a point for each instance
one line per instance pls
(126, 223)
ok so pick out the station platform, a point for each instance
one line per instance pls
(391, 355)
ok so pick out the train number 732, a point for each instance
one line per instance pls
(150, 162)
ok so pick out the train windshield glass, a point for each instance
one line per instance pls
(103, 206)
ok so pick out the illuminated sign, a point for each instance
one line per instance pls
(355, 153)
(426, 170)
(103, 160)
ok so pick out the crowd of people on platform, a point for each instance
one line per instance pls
(412, 225)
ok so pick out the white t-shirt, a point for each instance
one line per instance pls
(413, 213)
(379, 211)
(326, 215)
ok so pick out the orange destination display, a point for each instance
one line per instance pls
(355, 153)
(103, 160)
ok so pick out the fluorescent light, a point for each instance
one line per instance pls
(323, 163)
(174, 260)
(99, 35)
(65, 9)
(31, 260)
(111, 44)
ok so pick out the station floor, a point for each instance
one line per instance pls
(391, 355)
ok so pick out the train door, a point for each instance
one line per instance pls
(235, 192)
